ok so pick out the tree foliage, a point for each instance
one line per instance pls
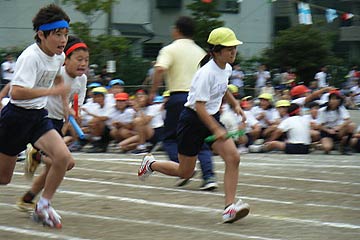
(302, 47)
(92, 9)
(206, 18)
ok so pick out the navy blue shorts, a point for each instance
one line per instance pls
(293, 148)
(20, 126)
(58, 125)
(191, 132)
(158, 135)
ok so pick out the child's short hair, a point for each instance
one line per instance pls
(48, 14)
(74, 44)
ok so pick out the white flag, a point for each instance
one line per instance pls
(304, 13)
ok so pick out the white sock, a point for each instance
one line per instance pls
(43, 202)
(141, 147)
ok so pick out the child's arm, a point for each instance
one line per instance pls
(235, 105)
(24, 93)
(210, 122)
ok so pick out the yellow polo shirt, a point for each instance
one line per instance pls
(181, 59)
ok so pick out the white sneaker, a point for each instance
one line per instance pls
(235, 212)
(47, 216)
(243, 149)
(256, 148)
(145, 170)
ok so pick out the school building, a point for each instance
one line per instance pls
(148, 22)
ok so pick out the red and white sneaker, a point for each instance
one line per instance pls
(47, 216)
(235, 212)
(144, 170)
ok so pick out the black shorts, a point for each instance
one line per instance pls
(334, 137)
(297, 148)
(191, 132)
(158, 135)
(20, 126)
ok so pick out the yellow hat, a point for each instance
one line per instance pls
(266, 96)
(282, 103)
(101, 90)
(166, 93)
(232, 88)
(223, 36)
(247, 98)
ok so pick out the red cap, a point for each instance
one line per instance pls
(298, 90)
(244, 104)
(122, 96)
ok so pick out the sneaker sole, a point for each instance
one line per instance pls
(239, 215)
(24, 209)
(210, 187)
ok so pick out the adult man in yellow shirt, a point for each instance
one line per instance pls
(178, 62)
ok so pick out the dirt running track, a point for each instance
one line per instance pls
(292, 197)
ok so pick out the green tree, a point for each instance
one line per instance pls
(206, 18)
(92, 9)
(302, 47)
(106, 47)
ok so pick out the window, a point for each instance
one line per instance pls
(229, 6)
(151, 50)
(168, 4)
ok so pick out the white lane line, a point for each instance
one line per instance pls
(127, 220)
(141, 186)
(191, 208)
(220, 182)
(298, 179)
(133, 162)
(248, 162)
(29, 232)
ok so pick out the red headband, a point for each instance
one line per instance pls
(293, 113)
(75, 46)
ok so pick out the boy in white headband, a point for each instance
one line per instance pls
(24, 119)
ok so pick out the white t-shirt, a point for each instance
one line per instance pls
(232, 121)
(78, 85)
(261, 78)
(321, 79)
(297, 129)
(355, 90)
(35, 69)
(237, 78)
(6, 67)
(270, 114)
(332, 118)
(209, 85)
(126, 116)
(154, 111)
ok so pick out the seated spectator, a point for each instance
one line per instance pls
(148, 124)
(96, 114)
(297, 129)
(355, 141)
(120, 120)
(355, 94)
(335, 124)
(313, 119)
(266, 114)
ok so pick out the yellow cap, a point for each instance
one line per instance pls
(232, 88)
(166, 93)
(101, 90)
(282, 103)
(223, 36)
(266, 96)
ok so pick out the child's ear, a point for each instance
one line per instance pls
(41, 35)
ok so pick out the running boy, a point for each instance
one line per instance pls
(73, 72)
(23, 120)
(200, 118)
